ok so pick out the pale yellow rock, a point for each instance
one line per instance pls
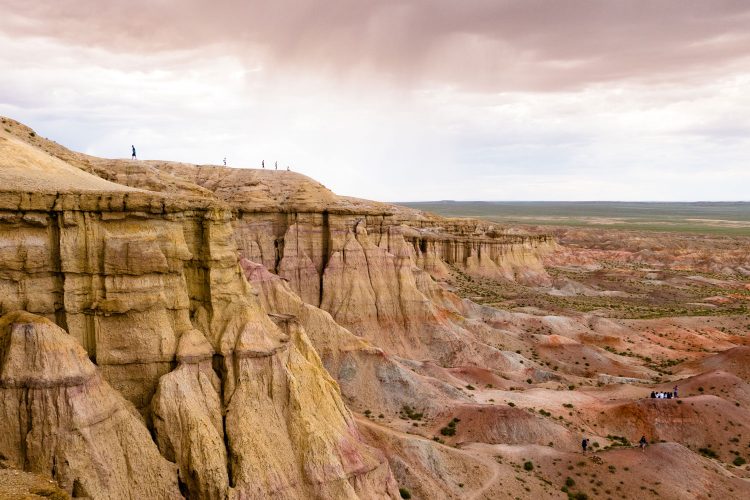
(59, 418)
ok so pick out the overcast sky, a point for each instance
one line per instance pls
(401, 100)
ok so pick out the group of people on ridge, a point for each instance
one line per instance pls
(262, 163)
(665, 395)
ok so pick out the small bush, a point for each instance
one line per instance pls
(404, 493)
(410, 413)
(569, 482)
(511, 404)
(708, 452)
(529, 466)
(528, 381)
(470, 387)
(739, 461)
(568, 405)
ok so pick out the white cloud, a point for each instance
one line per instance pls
(384, 141)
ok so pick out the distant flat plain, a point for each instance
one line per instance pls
(727, 218)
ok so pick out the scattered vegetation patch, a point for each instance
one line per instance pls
(450, 429)
(405, 493)
(708, 452)
(618, 440)
(407, 412)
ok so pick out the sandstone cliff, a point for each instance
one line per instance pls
(150, 285)
(139, 262)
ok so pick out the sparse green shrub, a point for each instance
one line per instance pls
(528, 466)
(450, 429)
(470, 387)
(708, 452)
(618, 440)
(405, 493)
(410, 413)
(739, 461)
(569, 482)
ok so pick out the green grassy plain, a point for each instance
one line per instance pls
(719, 218)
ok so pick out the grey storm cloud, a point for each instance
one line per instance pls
(484, 45)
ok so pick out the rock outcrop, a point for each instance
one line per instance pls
(149, 284)
(58, 417)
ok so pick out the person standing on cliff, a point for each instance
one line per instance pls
(263, 163)
(133, 148)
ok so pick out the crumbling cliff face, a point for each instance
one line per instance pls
(59, 417)
(146, 265)
(149, 286)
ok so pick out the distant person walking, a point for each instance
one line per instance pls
(675, 391)
(263, 163)
(643, 442)
(275, 165)
(584, 445)
(225, 161)
(287, 168)
(133, 148)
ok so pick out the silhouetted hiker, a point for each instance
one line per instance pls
(225, 161)
(275, 165)
(669, 395)
(287, 168)
(675, 391)
(263, 163)
(584, 445)
(642, 443)
(653, 395)
(133, 148)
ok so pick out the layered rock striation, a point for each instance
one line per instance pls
(150, 287)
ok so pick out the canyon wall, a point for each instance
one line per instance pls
(132, 278)
(148, 287)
